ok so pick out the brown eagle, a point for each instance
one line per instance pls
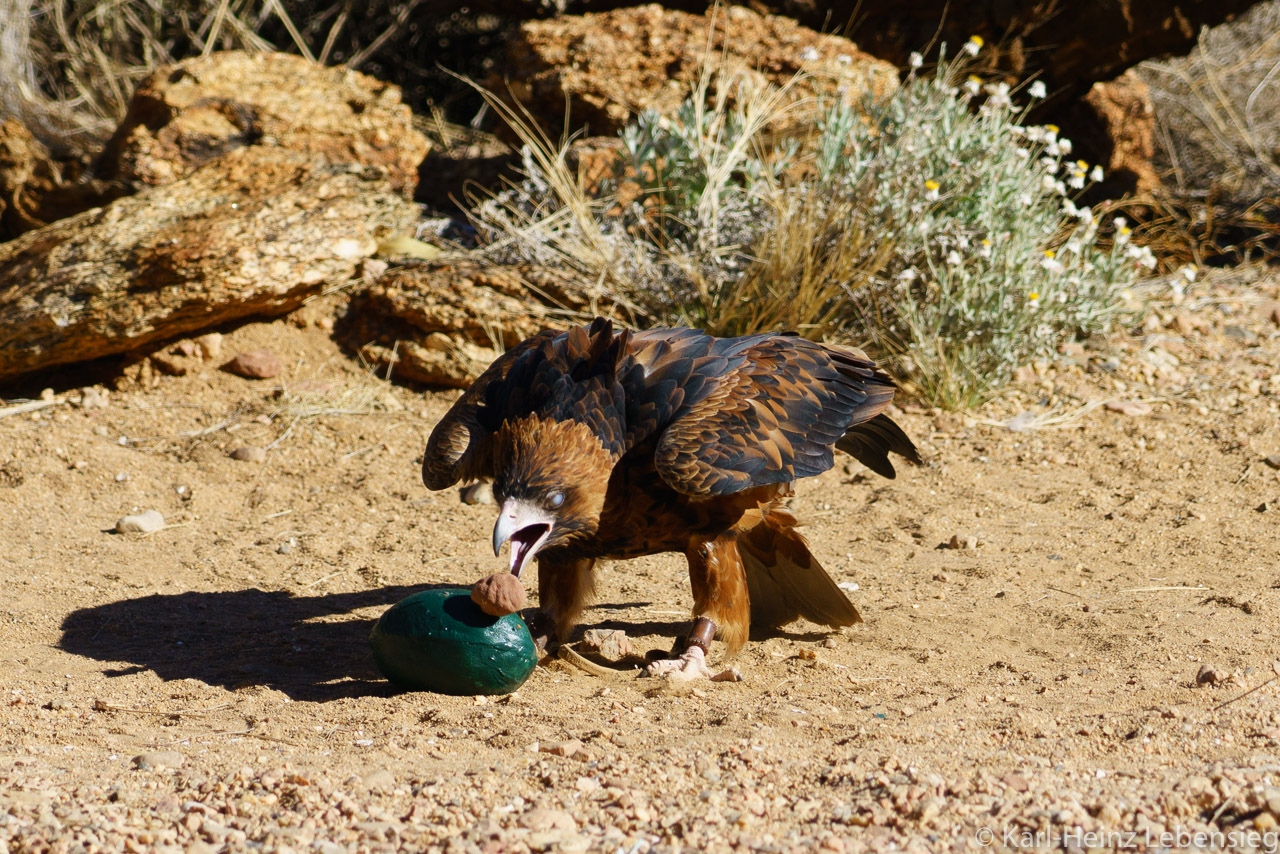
(609, 444)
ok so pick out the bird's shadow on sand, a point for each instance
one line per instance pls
(299, 645)
(307, 647)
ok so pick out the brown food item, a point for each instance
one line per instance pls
(499, 595)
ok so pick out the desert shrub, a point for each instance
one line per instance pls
(934, 224)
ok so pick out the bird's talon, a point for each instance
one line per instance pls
(689, 666)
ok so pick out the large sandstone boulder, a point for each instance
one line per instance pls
(187, 114)
(610, 65)
(253, 232)
(441, 324)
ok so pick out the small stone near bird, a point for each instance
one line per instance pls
(612, 644)
(140, 523)
(255, 365)
(499, 595)
(249, 454)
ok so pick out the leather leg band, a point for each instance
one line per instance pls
(700, 634)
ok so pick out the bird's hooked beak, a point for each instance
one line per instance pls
(526, 525)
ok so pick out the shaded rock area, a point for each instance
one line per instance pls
(188, 114)
(1117, 126)
(606, 67)
(34, 191)
(252, 233)
(441, 324)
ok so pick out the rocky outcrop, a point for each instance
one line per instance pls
(441, 324)
(609, 66)
(185, 115)
(253, 232)
(1120, 132)
(33, 188)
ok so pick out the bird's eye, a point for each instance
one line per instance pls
(555, 499)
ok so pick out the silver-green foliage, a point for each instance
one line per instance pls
(990, 264)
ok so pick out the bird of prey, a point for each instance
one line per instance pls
(606, 443)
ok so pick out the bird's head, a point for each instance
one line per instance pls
(550, 478)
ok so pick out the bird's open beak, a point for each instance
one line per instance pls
(526, 525)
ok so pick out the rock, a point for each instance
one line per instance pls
(209, 345)
(548, 819)
(607, 66)
(158, 759)
(1133, 408)
(1124, 140)
(1016, 782)
(34, 191)
(477, 493)
(499, 594)
(255, 365)
(561, 748)
(141, 523)
(962, 542)
(253, 233)
(1208, 675)
(1273, 460)
(185, 115)
(94, 398)
(1263, 507)
(249, 454)
(1109, 815)
(379, 780)
(612, 644)
(439, 322)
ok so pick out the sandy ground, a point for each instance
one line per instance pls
(1077, 678)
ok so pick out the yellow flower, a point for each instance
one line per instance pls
(931, 184)
(1083, 165)
(1033, 295)
(977, 40)
(1049, 253)
(1053, 128)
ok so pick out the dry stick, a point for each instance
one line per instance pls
(575, 658)
(104, 706)
(29, 406)
(1245, 694)
(1158, 589)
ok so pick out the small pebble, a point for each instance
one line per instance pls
(158, 759)
(209, 345)
(477, 493)
(1133, 408)
(255, 365)
(962, 542)
(561, 748)
(140, 523)
(93, 398)
(1273, 461)
(1208, 675)
(249, 454)
(286, 547)
(612, 644)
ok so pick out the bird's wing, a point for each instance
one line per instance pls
(771, 417)
(458, 449)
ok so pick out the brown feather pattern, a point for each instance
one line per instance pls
(673, 440)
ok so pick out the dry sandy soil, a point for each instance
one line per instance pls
(1078, 677)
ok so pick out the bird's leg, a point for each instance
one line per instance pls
(564, 589)
(720, 606)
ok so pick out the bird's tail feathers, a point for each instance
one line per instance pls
(871, 442)
(784, 579)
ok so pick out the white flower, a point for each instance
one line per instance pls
(1096, 174)
(1065, 146)
(1051, 263)
(931, 188)
(984, 250)
(810, 54)
(915, 60)
(972, 46)
(908, 275)
(953, 258)
(1037, 89)
(998, 93)
(1024, 199)
(1076, 181)
(1022, 153)
(972, 85)
(1069, 208)
(1189, 273)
